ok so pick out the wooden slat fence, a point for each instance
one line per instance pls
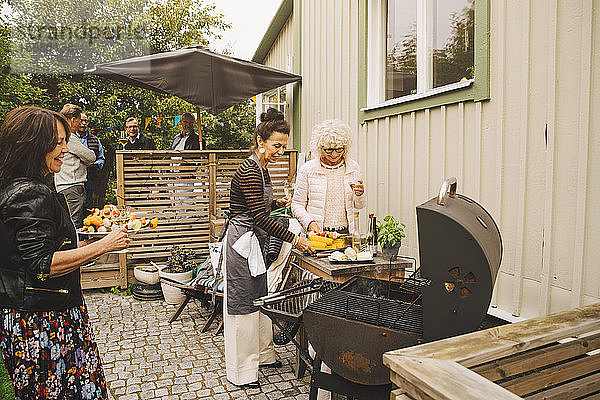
(188, 191)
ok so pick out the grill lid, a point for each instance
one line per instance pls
(460, 251)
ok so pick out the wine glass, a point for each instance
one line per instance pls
(123, 138)
(288, 191)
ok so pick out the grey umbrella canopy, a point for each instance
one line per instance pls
(211, 81)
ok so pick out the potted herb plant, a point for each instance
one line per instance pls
(180, 268)
(389, 234)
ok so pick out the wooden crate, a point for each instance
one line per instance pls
(188, 191)
(553, 357)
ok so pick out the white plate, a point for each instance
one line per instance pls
(334, 261)
(118, 252)
(93, 234)
(102, 234)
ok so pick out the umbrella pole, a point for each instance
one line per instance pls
(199, 120)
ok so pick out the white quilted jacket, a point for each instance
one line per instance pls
(308, 203)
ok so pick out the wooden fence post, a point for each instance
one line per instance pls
(212, 188)
(121, 203)
(293, 161)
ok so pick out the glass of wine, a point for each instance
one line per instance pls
(288, 191)
(123, 138)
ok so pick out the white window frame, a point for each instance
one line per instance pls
(376, 50)
(277, 104)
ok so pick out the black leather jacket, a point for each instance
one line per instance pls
(35, 223)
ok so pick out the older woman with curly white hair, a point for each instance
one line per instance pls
(329, 188)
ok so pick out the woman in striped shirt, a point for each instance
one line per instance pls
(248, 333)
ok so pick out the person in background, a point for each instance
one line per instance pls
(91, 141)
(46, 340)
(70, 180)
(137, 141)
(187, 139)
(248, 332)
(329, 188)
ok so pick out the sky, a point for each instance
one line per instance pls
(249, 21)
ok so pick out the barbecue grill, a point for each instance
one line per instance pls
(352, 325)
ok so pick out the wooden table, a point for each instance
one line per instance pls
(379, 269)
(529, 358)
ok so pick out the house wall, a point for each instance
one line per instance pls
(329, 46)
(280, 56)
(530, 155)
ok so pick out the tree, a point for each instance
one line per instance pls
(166, 25)
(173, 24)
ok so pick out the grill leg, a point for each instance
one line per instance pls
(303, 342)
(314, 389)
(341, 386)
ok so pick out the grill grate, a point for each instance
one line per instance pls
(393, 314)
(295, 301)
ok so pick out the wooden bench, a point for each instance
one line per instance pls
(552, 357)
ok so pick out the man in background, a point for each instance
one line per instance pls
(187, 139)
(70, 181)
(137, 141)
(91, 141)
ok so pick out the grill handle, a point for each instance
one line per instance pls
(448, 188)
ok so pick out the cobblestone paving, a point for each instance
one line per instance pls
(147, 358)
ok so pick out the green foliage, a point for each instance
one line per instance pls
(174, 24)
(6, 388)
(126, 292)
(231, 129)
(390, 231)
(168, 25)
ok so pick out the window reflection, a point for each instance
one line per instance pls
(452, 38)
(447, 58)
(401, 48)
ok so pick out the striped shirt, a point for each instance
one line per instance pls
(247, 195)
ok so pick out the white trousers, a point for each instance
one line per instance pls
(248, 343)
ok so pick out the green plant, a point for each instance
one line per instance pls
(181, 260)
(124, 292)
(6, 387)
(390, 231)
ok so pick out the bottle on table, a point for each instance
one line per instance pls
(372, 236)
(356, 233)
(374, 229)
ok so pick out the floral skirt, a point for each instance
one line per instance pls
(51, 354)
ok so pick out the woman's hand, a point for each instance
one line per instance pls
(284, 202)
(358, 188)
(314, 227)
(116, 240)
(304, 245)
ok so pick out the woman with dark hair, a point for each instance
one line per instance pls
(248, 333)
(46, 341)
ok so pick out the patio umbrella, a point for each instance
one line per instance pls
(211, 81)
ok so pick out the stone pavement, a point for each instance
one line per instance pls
(146, 358)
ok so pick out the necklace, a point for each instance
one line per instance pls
(338, 165)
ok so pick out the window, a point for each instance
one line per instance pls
(429, 44)
(275, 98)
